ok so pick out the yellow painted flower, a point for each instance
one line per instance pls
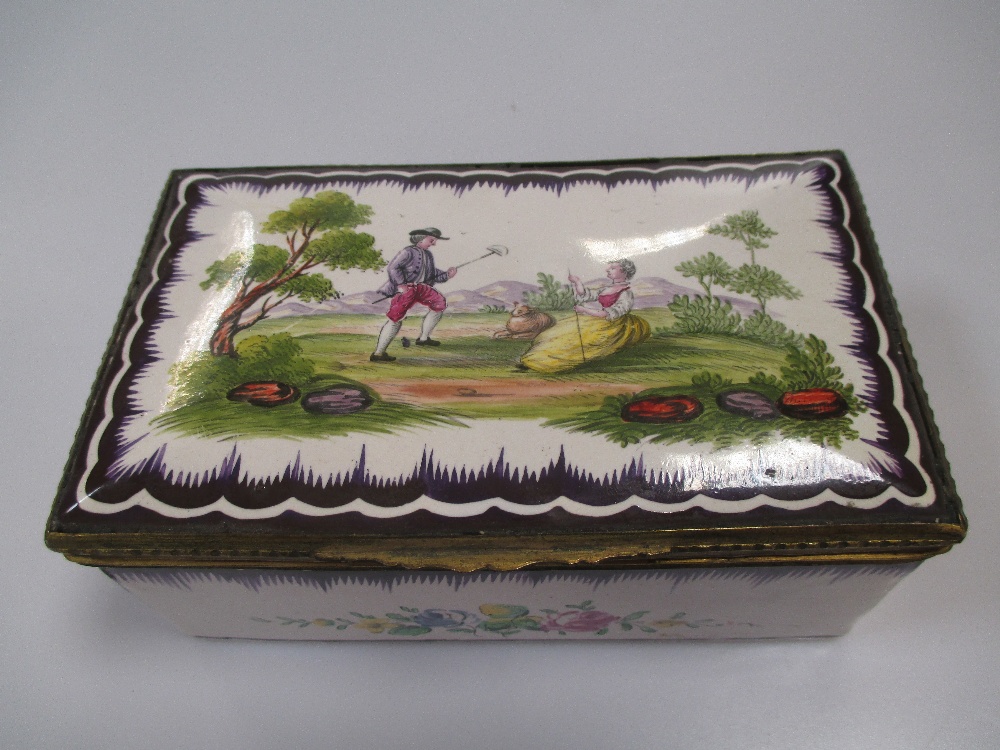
(375, 624)
(505, 611)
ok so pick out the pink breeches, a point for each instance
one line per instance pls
(419, 294)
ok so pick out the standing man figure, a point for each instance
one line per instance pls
(412, 276)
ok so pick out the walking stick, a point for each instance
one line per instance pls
(500, 250)
(579, 333)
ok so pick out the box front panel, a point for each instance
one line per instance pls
(758, 602)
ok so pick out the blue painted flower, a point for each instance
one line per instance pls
(445, 618)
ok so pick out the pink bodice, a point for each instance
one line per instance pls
(607, 300)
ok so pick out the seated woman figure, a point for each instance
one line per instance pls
(594, 332)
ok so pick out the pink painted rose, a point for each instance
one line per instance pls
(576, 621)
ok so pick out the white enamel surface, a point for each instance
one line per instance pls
(721, 603)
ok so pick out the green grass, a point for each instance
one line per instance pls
(720, 428)
(228, 420)
(662, 360)
(339, 347)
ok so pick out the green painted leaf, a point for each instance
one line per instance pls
(624, 625)
(525, 623)
(635, 615)
(310, 287)
(326, 210)
(602, 631)
(496, 625)
(646, 629)
(394, 616)
(408, 630)
(503, 611)
(345, 249)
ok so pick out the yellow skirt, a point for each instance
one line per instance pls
(569, 344)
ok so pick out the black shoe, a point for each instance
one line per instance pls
(381, 358)
(428, 342)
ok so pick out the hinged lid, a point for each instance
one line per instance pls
(649, 363)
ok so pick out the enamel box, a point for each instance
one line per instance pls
(650, 399)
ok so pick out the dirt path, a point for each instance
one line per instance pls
(508, 389)
(446, 330)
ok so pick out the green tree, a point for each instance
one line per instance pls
(710, 270)
(318, 232)
(746, 227)
(762, 284)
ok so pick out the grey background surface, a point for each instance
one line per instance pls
(99, 101)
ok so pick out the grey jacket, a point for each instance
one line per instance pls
(411, 266)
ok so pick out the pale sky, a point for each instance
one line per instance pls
(580, 229)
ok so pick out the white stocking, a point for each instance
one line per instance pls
(387, 334)
(430, 320)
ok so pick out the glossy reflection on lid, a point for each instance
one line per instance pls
(604, 251)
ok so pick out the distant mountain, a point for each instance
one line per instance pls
(291, 308)
(656, 292)
(462, 301)
(506, 292)
(650, 291)
(360, 303)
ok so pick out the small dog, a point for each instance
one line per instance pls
(525, 323)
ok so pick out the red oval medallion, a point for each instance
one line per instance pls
(813, 403)
(662, 409)
(266, 393)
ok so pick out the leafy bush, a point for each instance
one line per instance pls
(205, 377)
(553, 295)
(821, 432)
(810, 365)
(702, 315)
(711, 381)
(714, 426)
(493, 309)
(763, 380)
(767, 330)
